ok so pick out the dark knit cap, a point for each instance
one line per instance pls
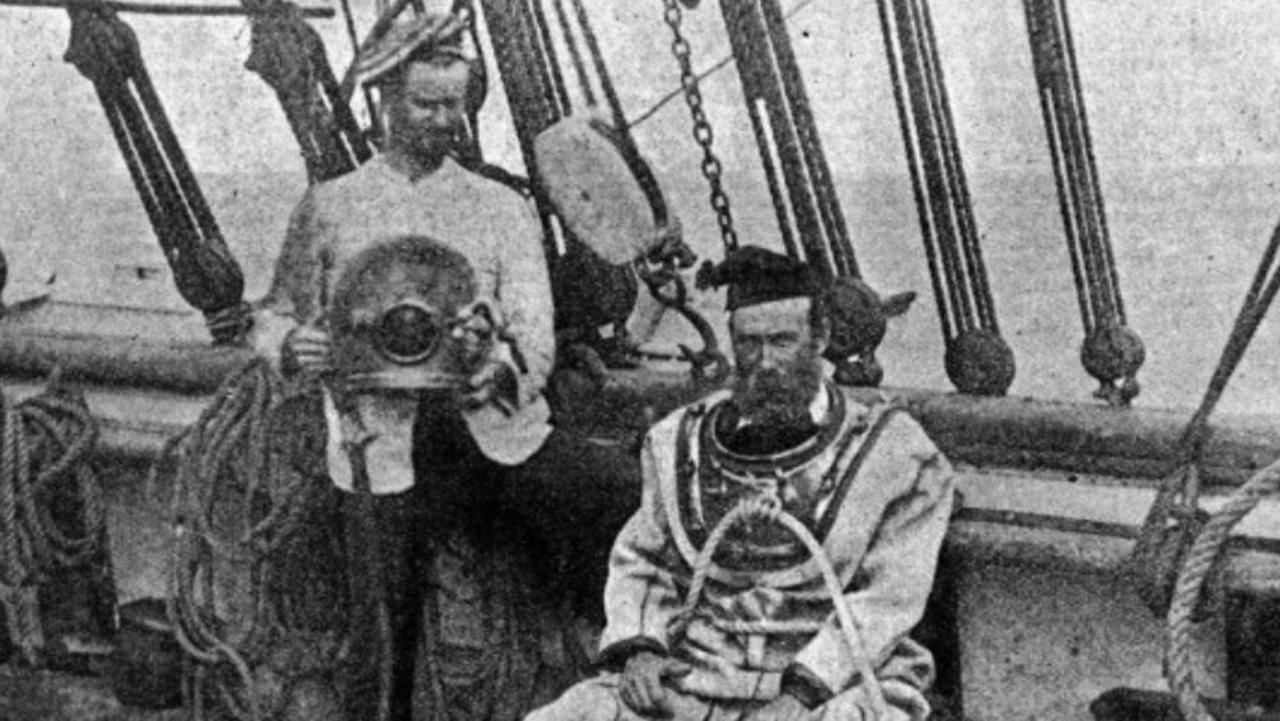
(755, 275)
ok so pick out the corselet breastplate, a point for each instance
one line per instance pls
(809, 480)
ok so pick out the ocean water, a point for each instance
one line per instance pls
(1187, 241)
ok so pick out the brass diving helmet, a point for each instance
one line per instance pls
(401, 317)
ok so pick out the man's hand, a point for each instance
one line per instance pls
(306, 349)
(783, 708)
(642, 678)
(494, 383)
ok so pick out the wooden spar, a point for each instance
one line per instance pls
(1137, 444)
(1034, 473)
(189, 368)
(1091, 532)
(158, 8)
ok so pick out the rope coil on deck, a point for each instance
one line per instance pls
(233, 505)
(768, 508)
(45, 442)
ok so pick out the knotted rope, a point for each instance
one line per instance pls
(769, 508)
(234, 502)
(1111, 352)
(977, 359)
(106, 51)
(1161, 545)
(1200, 561)
(1209, 543)
(290, 56)
(45, 442)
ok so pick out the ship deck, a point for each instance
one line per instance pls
(1059, 487)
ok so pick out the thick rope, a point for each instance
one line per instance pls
(223, 467)
(106, 51)
(1160, 545)
(45, 442)
(761, 507)
(1200, 561)
(1111, 352)
(771, 80)
(290, 57)
(977, 358)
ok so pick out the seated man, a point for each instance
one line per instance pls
(762, 642)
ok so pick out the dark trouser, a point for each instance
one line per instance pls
(571, 498)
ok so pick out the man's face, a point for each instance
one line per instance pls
(778, 366)
(429, 108)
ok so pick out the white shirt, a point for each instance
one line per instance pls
(494, 228)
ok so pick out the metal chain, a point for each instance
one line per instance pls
(702, 132)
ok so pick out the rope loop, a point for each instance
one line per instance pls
(1174, 518)
(768, 507)
(52, 512)
(1200, 562)
(234, 500)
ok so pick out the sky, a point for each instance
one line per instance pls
(1181, 81)
(1183, 99)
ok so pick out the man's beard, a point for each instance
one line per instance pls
(778, 397)
(432, 145)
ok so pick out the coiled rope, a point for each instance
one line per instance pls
(1200, 561)
(234, 501)
(45, 442)
(1208, 545)
(770, 509)
(1175, 517)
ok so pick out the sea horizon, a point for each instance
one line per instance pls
(1186, 238)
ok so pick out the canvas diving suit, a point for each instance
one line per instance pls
(870, 486)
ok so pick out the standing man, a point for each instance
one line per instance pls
(440, 457)
(762, 642)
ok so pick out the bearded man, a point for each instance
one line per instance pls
(761, 641)
(439, 460)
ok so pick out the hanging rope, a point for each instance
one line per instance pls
(105, 50)
(1175, 518)
(770, 509)
(4, 278)
(1201, 561)
(809, 217)
(470, 153)
(52, 514)
(238, 507)
(1111, 353)
(535, 97)
(808, 213)
(641, 117)
(977, 358)
(290, 56)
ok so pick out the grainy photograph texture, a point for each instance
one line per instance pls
(733, 360)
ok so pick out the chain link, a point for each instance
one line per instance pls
(702, 132)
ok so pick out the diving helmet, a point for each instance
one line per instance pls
(395, 316)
